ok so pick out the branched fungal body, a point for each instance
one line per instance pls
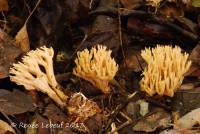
(165, 70)
(96, 66)
(35, 72)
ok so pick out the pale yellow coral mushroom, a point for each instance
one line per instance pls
(96, 66)
(35, 72)
(165, 70)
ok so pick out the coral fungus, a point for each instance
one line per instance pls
(165, 70)
(35, 72)
(96, 66)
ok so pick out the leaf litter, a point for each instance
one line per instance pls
(125, 28)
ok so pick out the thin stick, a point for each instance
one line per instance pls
(10, 121)
(120, 30)
(32, 11)
(5, 22)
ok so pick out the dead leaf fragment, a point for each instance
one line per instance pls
(48, 11)
(190, 119)
(186, 100)
(53, 113)
(195, 58)
(131, 4)
(180, 131)
(196, 3)
(22, 39)
(133, 60)
(81, 108)
(195, 55)
(8, 53)
(151, 123)
(5, 128)
(15, 102)
(3, 5)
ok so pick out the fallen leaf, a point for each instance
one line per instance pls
(186, 100)
(41, 121)
(190, 119)
(15, 102)
(148, 29)
(187, 86)
(133, 60)
(78, 9)
(107, 38)
(5, 128)
(180, 131)
(32, 130)
(81, 108)
(47, 11)
(195, 58)
(132, 109)
(144, 107)
(152, 122)
(8, 53)
(22, 39)
(169, 9)
(65, 131)
(196, 3)
(131, 4)
(95, 123)
(106, 24)
(3, 5)
(195, 55)
(53, 113)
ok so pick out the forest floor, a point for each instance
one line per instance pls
(126, 27)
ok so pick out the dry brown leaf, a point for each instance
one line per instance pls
(81, 108)
(15, 102)
(22, 39)
(3, 5)
(156, 120)
(134, 60)
(8, 53)
(195, 55)
(131, 4)
(190, 119)
(5, 128)
(181, 131)
(195, 58)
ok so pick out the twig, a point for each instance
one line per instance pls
(90, 5)
(120, 30)
(37, 4)
(10, 121)
(5, 21)
(128, 122)
(117, 110)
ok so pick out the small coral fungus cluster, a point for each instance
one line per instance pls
(29, 73)
(96, 66)
(163, 75)
(165, 70)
